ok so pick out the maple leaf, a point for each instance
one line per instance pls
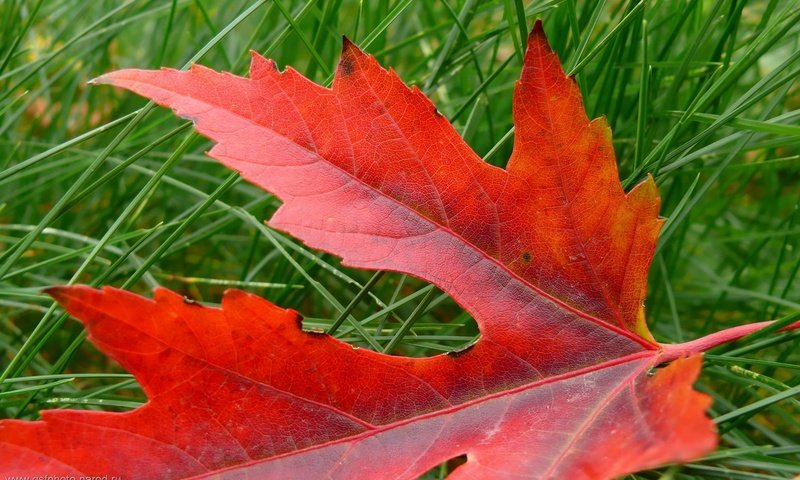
(549, 255)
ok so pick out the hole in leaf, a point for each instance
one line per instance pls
(440, 326)
(444, 469)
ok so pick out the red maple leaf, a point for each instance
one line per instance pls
(549, 255)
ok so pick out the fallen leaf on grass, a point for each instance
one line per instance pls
(549, 255)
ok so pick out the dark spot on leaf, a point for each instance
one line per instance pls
(298, 319)
(458, 353)
(526, 257)
(346, 64)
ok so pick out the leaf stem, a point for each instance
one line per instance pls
(702, 344)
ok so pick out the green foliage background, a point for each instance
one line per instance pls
(98, 187)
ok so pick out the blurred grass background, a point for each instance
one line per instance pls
(96, 187)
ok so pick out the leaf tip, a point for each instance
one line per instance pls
(105, 79)
(347, 62)
(537, 34)
(538, 27)
(346, 42)
(538, 47)
(646, 193)
(261, 66)
(59, 293)
(67, 295)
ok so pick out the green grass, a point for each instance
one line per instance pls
(98, 187)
